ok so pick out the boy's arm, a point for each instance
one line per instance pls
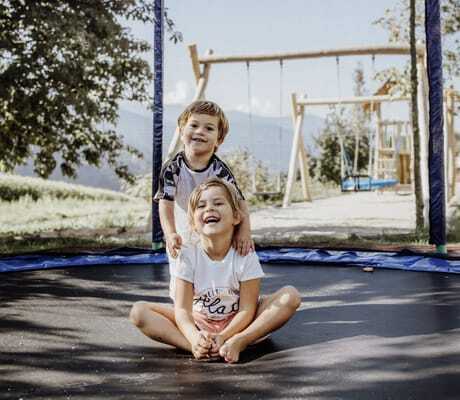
(172, 238)
(242, 241)
(184, 319)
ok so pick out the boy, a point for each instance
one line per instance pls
(203, 127)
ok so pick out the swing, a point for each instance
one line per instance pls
(350, 178)
(265, 194)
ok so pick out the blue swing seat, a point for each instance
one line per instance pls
(360, 183)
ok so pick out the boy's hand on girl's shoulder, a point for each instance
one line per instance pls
(243, 243)
(174, 244)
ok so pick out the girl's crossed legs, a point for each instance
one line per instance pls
(157, 321)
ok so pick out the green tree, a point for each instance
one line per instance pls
(396, 22)
(243, 168)
(327, 166)
(64, 67)
(359, 118)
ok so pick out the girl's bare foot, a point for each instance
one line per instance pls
(231, 350)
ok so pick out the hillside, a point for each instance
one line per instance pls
(136, 128)
(15, 187)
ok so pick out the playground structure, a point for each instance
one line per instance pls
(380, 169)
(392, 155)
(392, 158)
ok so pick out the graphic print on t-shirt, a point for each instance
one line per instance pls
(217, 303)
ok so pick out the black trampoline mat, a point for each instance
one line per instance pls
(64, 334)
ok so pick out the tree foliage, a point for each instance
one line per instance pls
(64, 67)
(396, 22)
(243, 167)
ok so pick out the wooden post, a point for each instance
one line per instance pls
(201, 78)
(452, 146)
(302, 156)
(304, 170)
(294, 152)
(445, 134)
(378, 140)
(424, 134)
(193, 52)
(397, 152)
(411, 149)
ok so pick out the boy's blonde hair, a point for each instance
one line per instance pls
(230, 193)
(208, 108)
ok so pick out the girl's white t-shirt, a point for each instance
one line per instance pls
(216, 284)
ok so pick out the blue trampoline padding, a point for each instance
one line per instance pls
(404, 260)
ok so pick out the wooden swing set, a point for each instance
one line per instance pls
(299, 158)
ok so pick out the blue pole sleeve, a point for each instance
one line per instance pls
(437, 211)
(157, 233)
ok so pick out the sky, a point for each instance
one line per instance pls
(269, 26)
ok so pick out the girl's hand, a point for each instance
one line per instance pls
(217, 342)
(174, 244)
(201, 346)
(242, 241)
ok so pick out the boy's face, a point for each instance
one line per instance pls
(214, 214)
(200, 134)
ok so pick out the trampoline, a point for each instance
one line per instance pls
(390, 334)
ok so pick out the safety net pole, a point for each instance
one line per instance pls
(437, 212)
(157, 233)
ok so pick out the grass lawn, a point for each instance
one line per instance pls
(100, 220)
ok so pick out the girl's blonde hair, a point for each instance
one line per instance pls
(208, 108)
(230, 193)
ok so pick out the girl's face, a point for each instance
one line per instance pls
(214, 214)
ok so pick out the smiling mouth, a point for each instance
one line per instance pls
(199, 140)
(211, 220)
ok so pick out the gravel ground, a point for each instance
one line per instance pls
(364, 214)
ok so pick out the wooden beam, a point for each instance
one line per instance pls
(350, 51)
(351, 100)
(393, 122)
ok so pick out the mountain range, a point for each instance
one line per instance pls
(269, 139)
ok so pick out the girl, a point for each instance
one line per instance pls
(217, 308)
